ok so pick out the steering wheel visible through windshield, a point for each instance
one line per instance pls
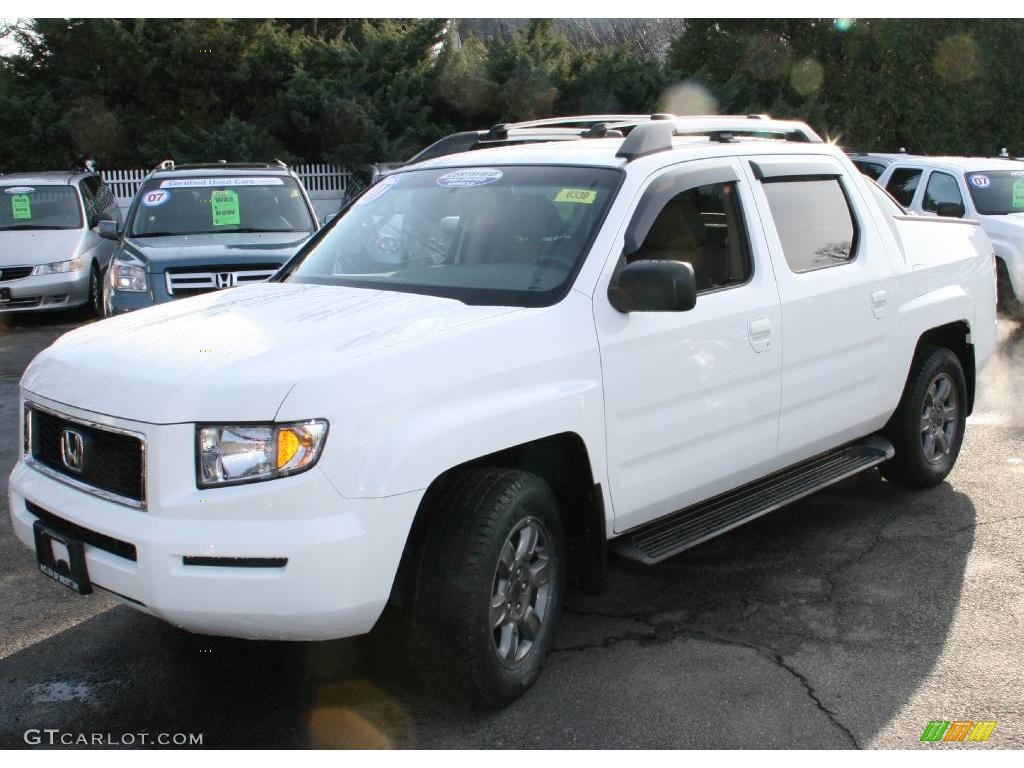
(195, 205)
(510, 235)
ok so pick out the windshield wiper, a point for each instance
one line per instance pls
(250, 230)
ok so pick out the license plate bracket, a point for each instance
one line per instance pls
(72, 572)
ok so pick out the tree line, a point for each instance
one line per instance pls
(130, 92)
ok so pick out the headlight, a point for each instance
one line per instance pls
(57, 267)
(231, 454)
(127, 277)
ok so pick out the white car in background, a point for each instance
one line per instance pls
(987, 190)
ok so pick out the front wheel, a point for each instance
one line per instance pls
(927, 429)
(95, 305)
(1009, 305)
(488, 593)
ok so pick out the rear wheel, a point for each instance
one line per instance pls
(488, 589)
(927, 429)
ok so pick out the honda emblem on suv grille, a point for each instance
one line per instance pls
(72, 449)
(225, 279)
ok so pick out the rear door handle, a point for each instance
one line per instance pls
(759, 333)
(880, 302)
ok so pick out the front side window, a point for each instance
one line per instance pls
(704, 227)
(192, 205)
(814, 221)
(941, 188)
(39, 206)
(509, 235)
(903, 184)
(997, 193)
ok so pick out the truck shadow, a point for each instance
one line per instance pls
(811, 627)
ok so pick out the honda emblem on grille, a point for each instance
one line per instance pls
(72, 449)
(225, 279)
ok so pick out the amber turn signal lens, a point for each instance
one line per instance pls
(287, 446)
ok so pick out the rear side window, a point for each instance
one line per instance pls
(704, 227)
(942, 188)
(903, 184)
(814, 221)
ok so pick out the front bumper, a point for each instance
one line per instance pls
(342, 554)
(45, 292)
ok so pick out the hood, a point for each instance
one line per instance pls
(231, 355)
(22, 248)
(216, 248)
(1009, 226)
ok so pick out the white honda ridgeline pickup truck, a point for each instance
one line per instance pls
(492, 368)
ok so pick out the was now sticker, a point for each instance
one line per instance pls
(225, 207)
(21, 207)
(584, 196)
(1018, 194)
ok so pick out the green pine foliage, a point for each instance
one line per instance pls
(134, 91)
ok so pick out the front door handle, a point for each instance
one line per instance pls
(880, 302)
(759, 333)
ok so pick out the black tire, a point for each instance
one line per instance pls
(94, 306)
(924, 411)
(460, 577)
(1009, 305)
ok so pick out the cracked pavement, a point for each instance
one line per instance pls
(846, 620)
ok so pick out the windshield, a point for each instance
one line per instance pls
(194, 205)
(39, 206)
(511, 235)
(997, 193)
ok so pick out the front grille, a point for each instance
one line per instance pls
(14, 273)
(191, 281)
(99, 540)
(111, 461)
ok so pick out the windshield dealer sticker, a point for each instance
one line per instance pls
(225, 207)
(1018, 194)
(469, 177)
(21, 208)
(155, 197)
(20, 190)
(245, 181)
(584, 196)
(980, 181)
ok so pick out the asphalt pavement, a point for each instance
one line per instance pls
(849, 619)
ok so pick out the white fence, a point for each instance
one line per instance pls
(328, 185)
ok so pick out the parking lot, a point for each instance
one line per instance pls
(849, 619)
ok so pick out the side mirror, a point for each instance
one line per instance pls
(952, 210)
(654, 286)
(109, 230)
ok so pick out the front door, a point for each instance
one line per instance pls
(692, 398)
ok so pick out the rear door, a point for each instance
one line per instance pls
(836, 287)
(692, 398)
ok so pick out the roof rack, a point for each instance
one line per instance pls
(656, 136)
(165, 165)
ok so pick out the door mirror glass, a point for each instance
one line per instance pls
(654, 286)
(108, 230)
